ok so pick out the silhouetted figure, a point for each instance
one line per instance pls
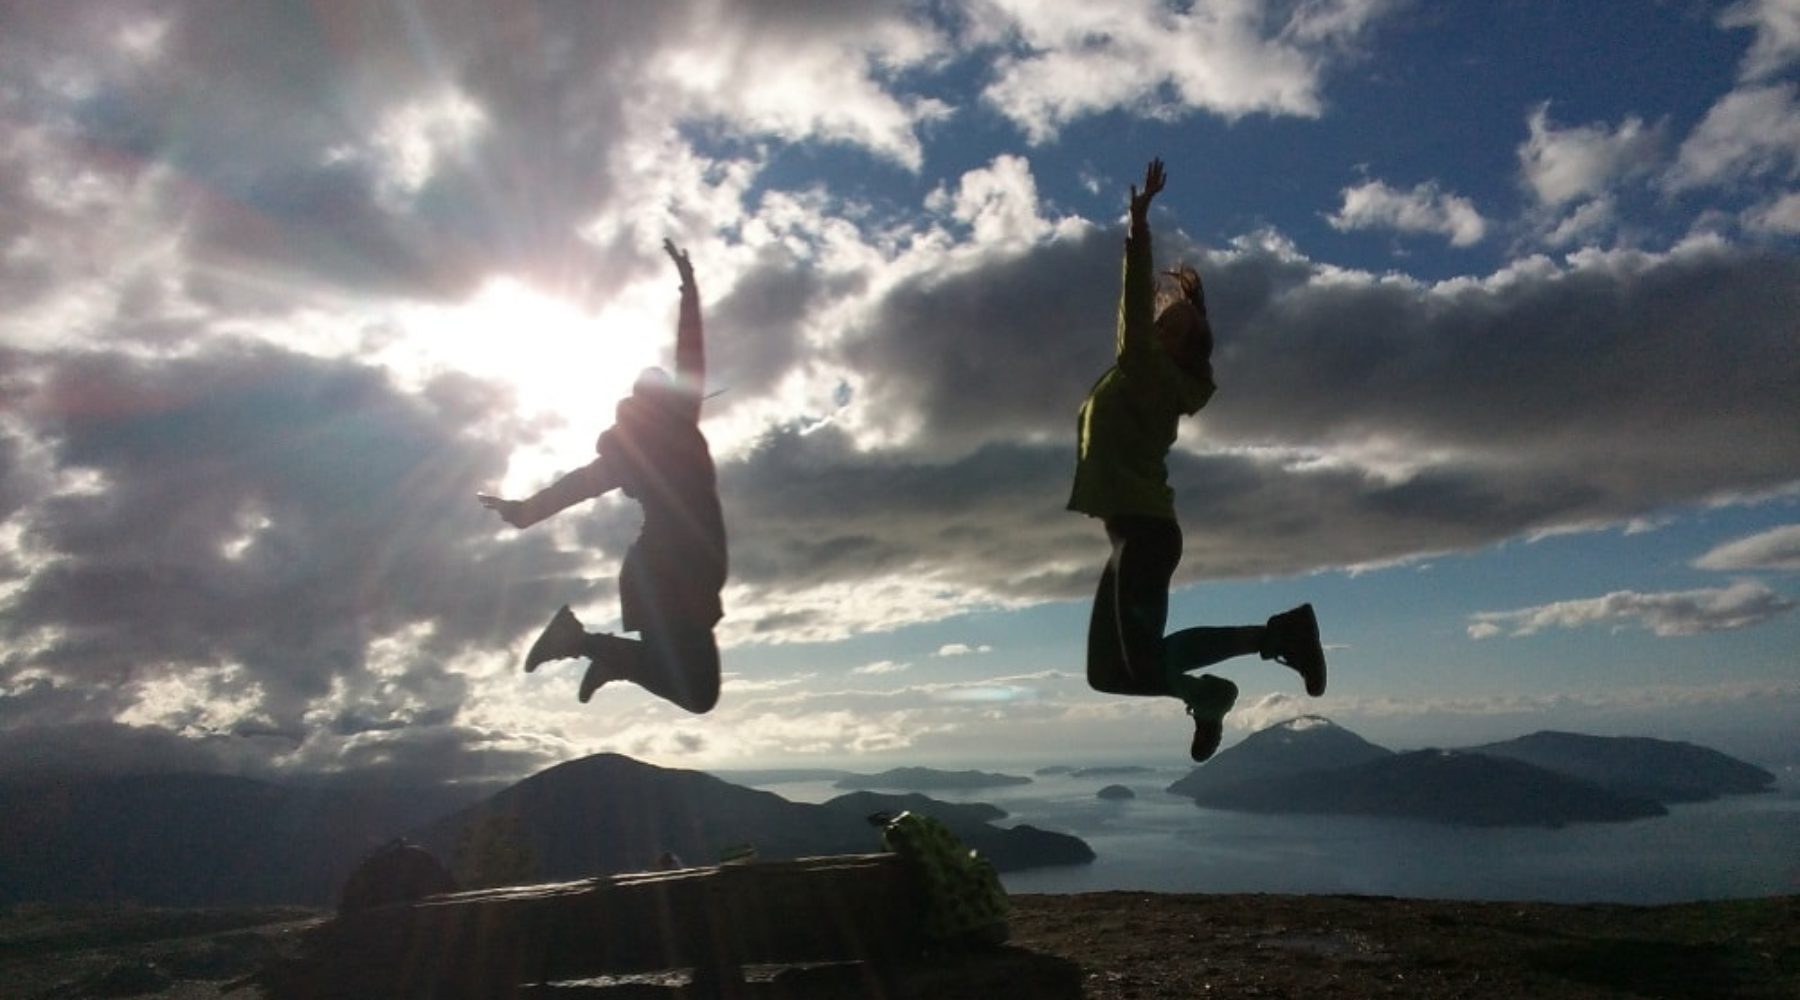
(669, 586)
(1163, 372)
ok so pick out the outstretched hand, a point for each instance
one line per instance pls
(1153, 183)
(510, 511)
(683, 266)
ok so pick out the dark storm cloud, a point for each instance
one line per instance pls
(296, 535)
(325, 225)
(438, 754)
(807, 509)
(89, 748)
(423, 757)
(248, 152)
(993, 352)
(277, 126)
(1358, 421)
(277, 513)
(16, 484)
(754, 330)
(290, 536)
(1658, 361)
(415, 149)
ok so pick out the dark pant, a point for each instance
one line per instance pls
(677, 662)
(1127, 650)
(669, 595)
(1131, 606)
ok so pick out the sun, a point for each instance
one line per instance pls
(563, 362)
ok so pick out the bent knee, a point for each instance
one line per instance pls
(699, 670)
(703, 702)
(1125, 682)
(699, 694)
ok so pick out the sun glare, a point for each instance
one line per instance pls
(564, 362)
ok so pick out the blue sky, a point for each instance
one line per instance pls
(1505, 297)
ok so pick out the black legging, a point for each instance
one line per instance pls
(1127, 650)
(679, 663)
(1131, 606)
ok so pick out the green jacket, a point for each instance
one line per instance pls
(1128, 422)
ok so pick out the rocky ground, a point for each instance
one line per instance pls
(1100, 946)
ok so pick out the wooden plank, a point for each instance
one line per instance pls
(714, 920)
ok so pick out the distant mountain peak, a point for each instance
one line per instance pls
(1310, 732)
(1664, 770)
(1305, 743)
(1302, 723)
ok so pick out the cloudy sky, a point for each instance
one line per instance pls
(1506, 299)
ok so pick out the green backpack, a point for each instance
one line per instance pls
(964, 900)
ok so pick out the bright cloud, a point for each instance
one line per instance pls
(1777, 27)
(880, 667)
(962, 649)
(286, 285)
(1268, 710)
(1775, 549)
(1067, 60)
(1423, 209)
(1678, 613)
(1780, 216)
(1587, 220)
(806, 73)
(999, 204)
(1750, 133)
(1561, 165)
(414, 137)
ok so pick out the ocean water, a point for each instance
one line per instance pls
(1737, 847)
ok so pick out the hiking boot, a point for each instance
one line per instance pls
(1292, 639)
(1208, 699)
(607, 660)
(596, 677)
(560, 640)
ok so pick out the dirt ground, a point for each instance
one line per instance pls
(1098, 946)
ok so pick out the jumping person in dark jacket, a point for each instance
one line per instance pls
(670, 583)
(1163, 372)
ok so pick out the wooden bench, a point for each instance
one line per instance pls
(713, 921)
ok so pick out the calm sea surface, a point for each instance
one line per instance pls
(1741, 846)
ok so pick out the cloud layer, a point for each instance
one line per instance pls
(236, 465)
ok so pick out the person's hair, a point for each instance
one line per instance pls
(1182, 284)
(651, 381)
(1181, 318)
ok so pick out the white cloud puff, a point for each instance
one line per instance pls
(1780, 216)
(1422, 209)
(1675, 613)
(880, 667)
(1067, 59)
(962, 649)
(1751, 132)
(1775, 549)
(999, 203)
(1561, 165)
(1777, 27)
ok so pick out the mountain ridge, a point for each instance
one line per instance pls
(1312, 765)
(211, 839)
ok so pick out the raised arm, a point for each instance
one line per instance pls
(585, 483)
(1137, 294)
(690, 342)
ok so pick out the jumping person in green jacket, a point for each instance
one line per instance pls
(669, 586)
(1163, 372)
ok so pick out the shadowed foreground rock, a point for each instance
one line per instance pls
(709, 924)
(1161, 947)
(1098, 946)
